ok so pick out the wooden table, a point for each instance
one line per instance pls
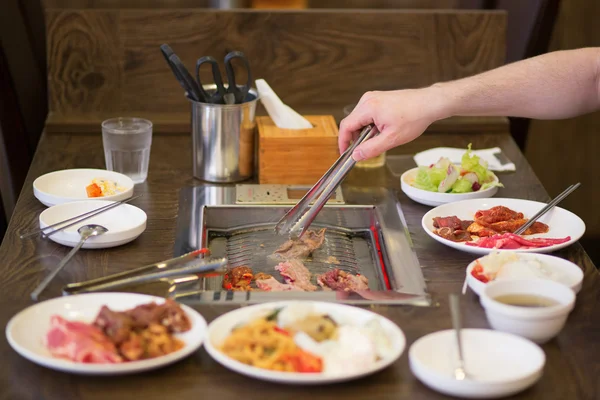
(573, 358)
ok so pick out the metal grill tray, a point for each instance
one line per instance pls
(353, 252)
(367, 235)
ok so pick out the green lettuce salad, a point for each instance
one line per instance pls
(444, 177)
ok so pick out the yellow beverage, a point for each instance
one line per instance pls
(375, 162)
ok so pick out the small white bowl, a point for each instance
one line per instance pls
(498, 364)
(539, 324)
(570, 273)
(435, 199)
(69, 185)
(124, 223)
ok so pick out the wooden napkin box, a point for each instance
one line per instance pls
(296, 156)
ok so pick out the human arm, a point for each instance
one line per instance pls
(556, 85)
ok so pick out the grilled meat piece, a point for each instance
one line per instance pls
(342, 281)
(303, 247)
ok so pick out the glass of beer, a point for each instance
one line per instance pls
(375, 162)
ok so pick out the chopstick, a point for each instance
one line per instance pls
(78, 218)
(548, 207)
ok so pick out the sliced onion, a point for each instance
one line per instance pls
(471, 177)
(451, 177)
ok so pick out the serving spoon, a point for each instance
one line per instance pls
(459, 372)
(85, 232)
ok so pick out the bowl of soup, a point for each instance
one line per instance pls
(536, 309)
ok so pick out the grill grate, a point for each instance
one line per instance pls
(353, 253)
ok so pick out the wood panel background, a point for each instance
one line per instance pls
(107, 61)
(149, 4)
(565, 152)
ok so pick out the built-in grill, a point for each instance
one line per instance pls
(365, 234)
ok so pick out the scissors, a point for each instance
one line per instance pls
(182, 75)
(233, 94)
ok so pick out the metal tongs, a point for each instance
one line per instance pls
(296, 221)
(152, 272)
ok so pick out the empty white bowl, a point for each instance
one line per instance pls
(568, 273)
(69, 185)
(124, 223)
(435, 199)
(498, 364)
(539, 324)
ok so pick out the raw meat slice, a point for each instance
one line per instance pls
(452, 222)
(512, 241)
(80, 342)
(496, 214)
(295, 273)
(455, 236)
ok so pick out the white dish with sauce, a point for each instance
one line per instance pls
(536, 309)
(69, 185)
(526, 265)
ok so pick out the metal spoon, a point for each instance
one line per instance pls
(459, 372)
(85, 232)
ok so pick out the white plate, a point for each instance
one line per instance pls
(571, 274)
(221, 327)
(500, 364)
(69, 185)
(562, 223)
(435, 199)
(124, 223)
(25, 331)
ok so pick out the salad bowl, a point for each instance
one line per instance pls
(435, 199)
(445, 182)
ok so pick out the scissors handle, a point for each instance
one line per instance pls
(182, 75)
(239, 92)
(217, 97)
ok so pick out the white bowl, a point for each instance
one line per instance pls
(69, 185)
(25, 331)
(435, 199)
(221, 327)
(570, 273)
(498, 364)
(539, 324)
(124, 223)
(562, 223)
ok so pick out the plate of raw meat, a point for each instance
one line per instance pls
(106, 333)
(480, 226)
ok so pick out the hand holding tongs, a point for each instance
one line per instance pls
(298, 219)
(152, 272)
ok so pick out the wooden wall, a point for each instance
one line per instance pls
(107, 62)
(565, 152)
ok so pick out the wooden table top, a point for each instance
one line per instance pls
(572, 367)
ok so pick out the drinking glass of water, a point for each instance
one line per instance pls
(127, 144)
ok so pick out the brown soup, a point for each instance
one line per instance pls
(526, 300)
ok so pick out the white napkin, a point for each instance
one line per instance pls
(431, 156)
(283, 116)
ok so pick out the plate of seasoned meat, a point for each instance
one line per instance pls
(106, 333)
(481, 226)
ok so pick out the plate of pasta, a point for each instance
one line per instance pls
(304, 342)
